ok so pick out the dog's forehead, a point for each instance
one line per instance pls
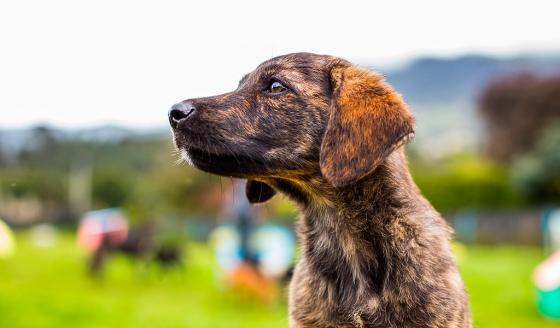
(308, 68)
(298, 59)
(295, 62)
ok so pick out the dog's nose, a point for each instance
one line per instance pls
(179, 112)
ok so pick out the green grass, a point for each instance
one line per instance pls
(499, 284)
(50, 288)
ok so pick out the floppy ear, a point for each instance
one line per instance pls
(368, 121)
(258, 192)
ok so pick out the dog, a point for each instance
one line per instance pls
(330, 135)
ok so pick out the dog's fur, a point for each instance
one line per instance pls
(374, 252)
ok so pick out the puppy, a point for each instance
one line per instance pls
(328, 134)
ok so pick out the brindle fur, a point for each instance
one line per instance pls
(374, 252)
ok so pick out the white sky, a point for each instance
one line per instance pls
(80, 63)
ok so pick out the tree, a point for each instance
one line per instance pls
(516, 109)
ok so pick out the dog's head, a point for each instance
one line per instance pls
(298, 115)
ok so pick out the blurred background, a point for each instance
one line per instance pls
(99, 227)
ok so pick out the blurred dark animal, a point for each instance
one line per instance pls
(139, 245)
(329, 135)
(516, 109)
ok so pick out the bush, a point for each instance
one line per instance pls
(465, 181)
(537, 174)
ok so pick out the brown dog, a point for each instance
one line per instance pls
(328, 134)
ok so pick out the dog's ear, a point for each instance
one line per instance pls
(368, 121)
(258, 192)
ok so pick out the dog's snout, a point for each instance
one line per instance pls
(179, 112)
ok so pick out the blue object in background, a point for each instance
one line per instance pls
(547, 275)
(466, 226)
(272, 245)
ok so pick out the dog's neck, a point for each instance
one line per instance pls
(390, 186)
(354, 235)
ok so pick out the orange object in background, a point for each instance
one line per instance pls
(248, 280)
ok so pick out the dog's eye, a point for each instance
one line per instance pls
(276, 87)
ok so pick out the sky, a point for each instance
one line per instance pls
(85, 63)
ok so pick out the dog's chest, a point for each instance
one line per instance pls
(342, 266)
(352, 274)
(332, 244)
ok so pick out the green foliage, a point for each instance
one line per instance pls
(135, 172)
(47, 184)
(464, 181)
(537, 174)
(111, 186)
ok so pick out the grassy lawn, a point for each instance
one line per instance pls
(499, 283)
(50, 288)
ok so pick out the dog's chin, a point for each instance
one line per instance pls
(223, 164)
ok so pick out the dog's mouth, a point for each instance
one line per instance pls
(232, 164)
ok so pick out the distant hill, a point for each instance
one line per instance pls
(437, 80)
(12, 140)
(442, 92)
